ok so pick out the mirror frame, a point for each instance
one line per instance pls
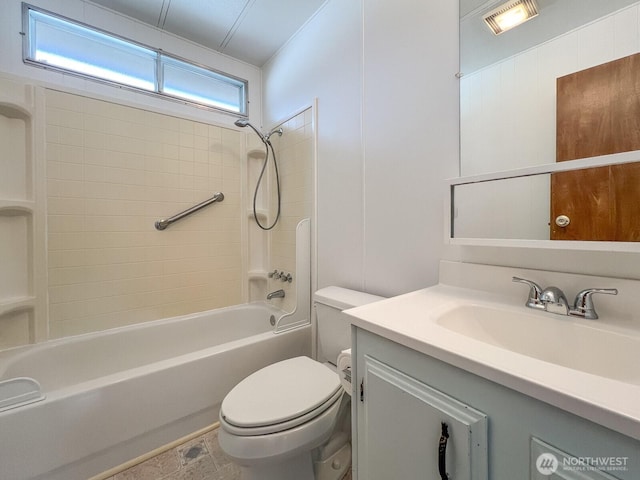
(601, 161)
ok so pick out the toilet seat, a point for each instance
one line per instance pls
(279, 397)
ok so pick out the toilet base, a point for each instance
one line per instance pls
(295, 468)
(334, 467)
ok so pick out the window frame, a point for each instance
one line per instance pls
(159, 56)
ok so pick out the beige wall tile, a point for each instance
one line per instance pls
(294, 152)
(15, 330)
(112, 171)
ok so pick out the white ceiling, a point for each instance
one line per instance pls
(249, 30)
(469, 6)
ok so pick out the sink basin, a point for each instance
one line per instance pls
(551, 338)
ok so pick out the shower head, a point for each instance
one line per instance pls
(277, 130)
(243, 122)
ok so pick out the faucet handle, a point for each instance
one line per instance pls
(534, 292)
(274, 274)
(583, 305)
(286, 277)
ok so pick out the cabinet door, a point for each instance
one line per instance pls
(400, 425)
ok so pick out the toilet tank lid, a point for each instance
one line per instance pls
(343, 298)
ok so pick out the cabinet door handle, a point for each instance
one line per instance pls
(442, 452)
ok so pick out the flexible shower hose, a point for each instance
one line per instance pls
(267, 145)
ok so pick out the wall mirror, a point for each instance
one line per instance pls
(526, 96)
(534, 204)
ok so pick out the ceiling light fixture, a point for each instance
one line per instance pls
(510, 14)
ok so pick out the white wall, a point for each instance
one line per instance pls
(387, 134)
(380, 192)
(410, 125)
(91, 14)
(324, 61)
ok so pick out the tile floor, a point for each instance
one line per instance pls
(198, 459)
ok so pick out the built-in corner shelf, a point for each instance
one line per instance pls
(260, 213)
(15, 109)
(256, 153)
(16, 207)
(22, 219)
(16, 305)
(257, 240)
(257, 275)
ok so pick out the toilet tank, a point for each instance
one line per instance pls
(334, 328)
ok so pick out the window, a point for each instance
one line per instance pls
(190, 82)
(57, 43)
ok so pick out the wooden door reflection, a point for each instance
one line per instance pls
(598, 113)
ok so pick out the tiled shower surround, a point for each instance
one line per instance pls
(295, 157)
(83, 254)
(112, 171)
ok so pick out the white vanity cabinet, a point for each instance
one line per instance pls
(411, 430)
(401, 397)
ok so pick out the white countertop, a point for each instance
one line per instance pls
(410, 320)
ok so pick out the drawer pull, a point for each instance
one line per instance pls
(442, 452)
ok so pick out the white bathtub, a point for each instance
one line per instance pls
(114, 395)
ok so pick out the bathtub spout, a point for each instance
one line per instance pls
(276, 294)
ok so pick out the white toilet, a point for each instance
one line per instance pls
(291, 420)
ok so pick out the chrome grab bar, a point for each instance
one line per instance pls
(165, 222)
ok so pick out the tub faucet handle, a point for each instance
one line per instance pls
(275, 275)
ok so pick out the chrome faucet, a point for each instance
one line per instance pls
(553, 300)
(276, 294)
(275, 274)
(535, 292)
(583, 305)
